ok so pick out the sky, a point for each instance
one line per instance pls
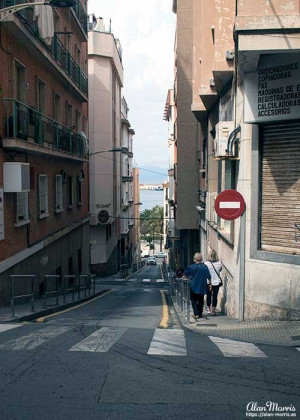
(146, 30)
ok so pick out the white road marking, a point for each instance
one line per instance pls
(298, 348)
(230, 205)
(31, 341)
(168, 343)
(160, 281)
(146, 280)
(100, 341)
(7, 327)
(131, 279)
(232, 348)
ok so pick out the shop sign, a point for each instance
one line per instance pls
(272, 93)
(1, 214)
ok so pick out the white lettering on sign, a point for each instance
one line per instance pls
(272, 93)
(1, 214)
(229, 205)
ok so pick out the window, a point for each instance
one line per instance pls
(43, 195)
(78, 122)
(77, 54)
(70, 192)
(22, 208)
(41, 96)
(56, 20)
(70, 266)
(58, 194)
(56, 107)
(79, 261)
(69, 119)
(20, 84)
(79, 191)
(108, 232)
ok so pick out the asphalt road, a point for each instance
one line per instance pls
(108, 359)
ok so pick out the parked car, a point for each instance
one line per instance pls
(151, 261)
(161, 255)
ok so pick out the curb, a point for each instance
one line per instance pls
(220, 335)
(54, 309)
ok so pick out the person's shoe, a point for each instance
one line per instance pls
(196, 316)
(213, 311)
(207, 310)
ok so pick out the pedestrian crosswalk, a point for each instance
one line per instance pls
(163, 342)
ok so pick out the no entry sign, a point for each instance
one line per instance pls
(229, 205)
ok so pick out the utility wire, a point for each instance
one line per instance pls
(138, 166)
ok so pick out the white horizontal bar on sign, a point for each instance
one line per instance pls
(230, 205)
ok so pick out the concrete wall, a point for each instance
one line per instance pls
(47, 260)
(187, 127)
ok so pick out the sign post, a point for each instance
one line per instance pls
(230, 205)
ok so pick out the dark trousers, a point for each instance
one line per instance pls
(197, 302)
(214, 294)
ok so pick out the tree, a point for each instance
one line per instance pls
(152, 223)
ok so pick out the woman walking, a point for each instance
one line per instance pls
(198, 274)
(215, 267)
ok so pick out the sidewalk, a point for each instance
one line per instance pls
(279, 333)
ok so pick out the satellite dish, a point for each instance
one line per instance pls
(103, 216)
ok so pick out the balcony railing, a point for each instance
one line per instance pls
(27, 123)
(56, 49)
(82, 16)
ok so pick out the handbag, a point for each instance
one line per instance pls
(221, 281)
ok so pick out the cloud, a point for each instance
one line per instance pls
(146, 30)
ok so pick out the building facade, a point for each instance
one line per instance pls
(245, 100)
(127, 201)
(186, 138)
(105, 83)
(44, 147)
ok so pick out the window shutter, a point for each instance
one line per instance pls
(280, 194)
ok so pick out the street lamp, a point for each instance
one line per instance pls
(115, 149)
(53, 3)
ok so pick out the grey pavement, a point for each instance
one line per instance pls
(280, 333)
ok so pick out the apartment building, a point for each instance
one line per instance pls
(186, 137)
(44, 146)
(106, 164)
(127, 202)
(135, 231)
(245, 99)
(171, 235)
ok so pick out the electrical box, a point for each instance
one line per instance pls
(16, 177)
(223, 131)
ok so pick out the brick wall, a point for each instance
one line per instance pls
(11, 49)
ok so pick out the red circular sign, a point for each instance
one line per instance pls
(230, 205)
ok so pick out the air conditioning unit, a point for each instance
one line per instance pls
(211, 214)
(223, 130)
(16, 177)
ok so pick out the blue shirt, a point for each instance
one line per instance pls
(198, 275)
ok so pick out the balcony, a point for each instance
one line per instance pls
(82, 17)
(56, 53)
(26, 129)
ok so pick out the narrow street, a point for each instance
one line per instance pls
(108, 359)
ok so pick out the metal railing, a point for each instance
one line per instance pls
(47, 292)
(24, 296)
(70, 284)
(72, 289)
(25, 123)
(57, 49)
(82, 16)
(180, 289)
